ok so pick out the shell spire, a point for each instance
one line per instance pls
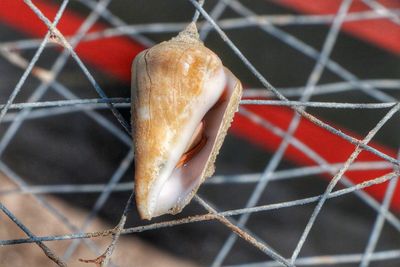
(183, 101)
(189, 34)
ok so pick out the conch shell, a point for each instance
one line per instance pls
(183, 102)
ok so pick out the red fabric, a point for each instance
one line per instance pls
(381, 32)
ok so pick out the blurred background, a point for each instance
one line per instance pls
(68, 168)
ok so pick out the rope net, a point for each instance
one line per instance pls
(109, 111)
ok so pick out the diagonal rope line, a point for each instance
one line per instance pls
(49, 253)
(382, 10)
(244, 234)
(197, 13)
(104, 259)
(373, 240)
(336, 178)
(96, 116)
(380, 220)
(215, 13)
(110, 249)
(101, 200)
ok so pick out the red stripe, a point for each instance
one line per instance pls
(381, 32)
(331, 147)
(114, 56)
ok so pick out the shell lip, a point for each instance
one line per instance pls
(215, 131)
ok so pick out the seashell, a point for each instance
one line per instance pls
(183, 102)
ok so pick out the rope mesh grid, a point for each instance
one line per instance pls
(15, 114)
